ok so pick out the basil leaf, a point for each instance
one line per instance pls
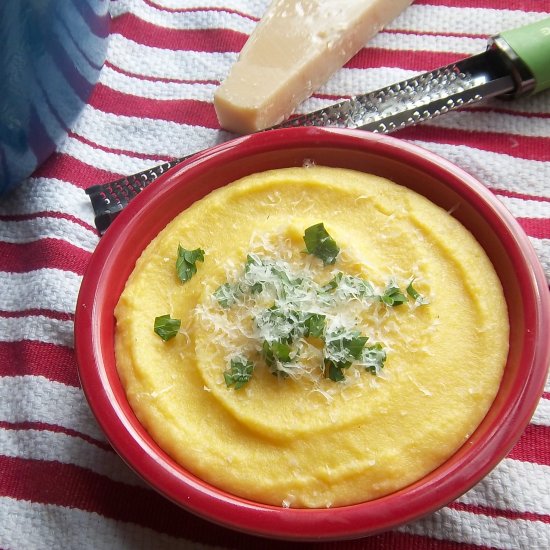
(393, 296)
(349, 286)
(277, 325)
(321, 244)
(314, 325)
(239, 373)
(333, 372)
(276, 351)
(333, 283)
(415, 295)
(253, 285)
(251, 260)
(186, 262)
(355, 345)
(226, 295)
(373, 358)
(166, 327)
(356, 287)
(342, 347)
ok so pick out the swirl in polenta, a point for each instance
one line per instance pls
(335, 337)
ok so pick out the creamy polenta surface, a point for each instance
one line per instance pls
(306, 379)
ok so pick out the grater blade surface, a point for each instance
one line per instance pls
(417, 99)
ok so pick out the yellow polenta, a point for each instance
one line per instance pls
(310, 441)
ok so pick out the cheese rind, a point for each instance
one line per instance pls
(295, 49)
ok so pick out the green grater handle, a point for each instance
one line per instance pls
(531, 44)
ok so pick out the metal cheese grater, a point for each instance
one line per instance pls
(516, 63)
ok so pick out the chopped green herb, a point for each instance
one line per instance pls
(355, 345)
(321, 244)
(350, 286)
(166, 327)
(277, 325)
(276, 352)
(251, 260)
(356, 287)
(341, 349)
(252, 272)
(333, 372)
(264, 274)
(226, 295)
(186, 262)
(333, 283)
(239, 372)
(314, 325)
(393, 296)
(344, 345)
(415, 295)
(373, 358)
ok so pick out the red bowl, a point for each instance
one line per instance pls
(443, 183)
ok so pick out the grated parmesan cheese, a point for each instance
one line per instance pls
(279, 288)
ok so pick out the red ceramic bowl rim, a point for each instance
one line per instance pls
(415, 501)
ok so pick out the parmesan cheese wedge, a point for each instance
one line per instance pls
(295, 49)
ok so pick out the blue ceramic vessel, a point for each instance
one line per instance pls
(51, 52)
